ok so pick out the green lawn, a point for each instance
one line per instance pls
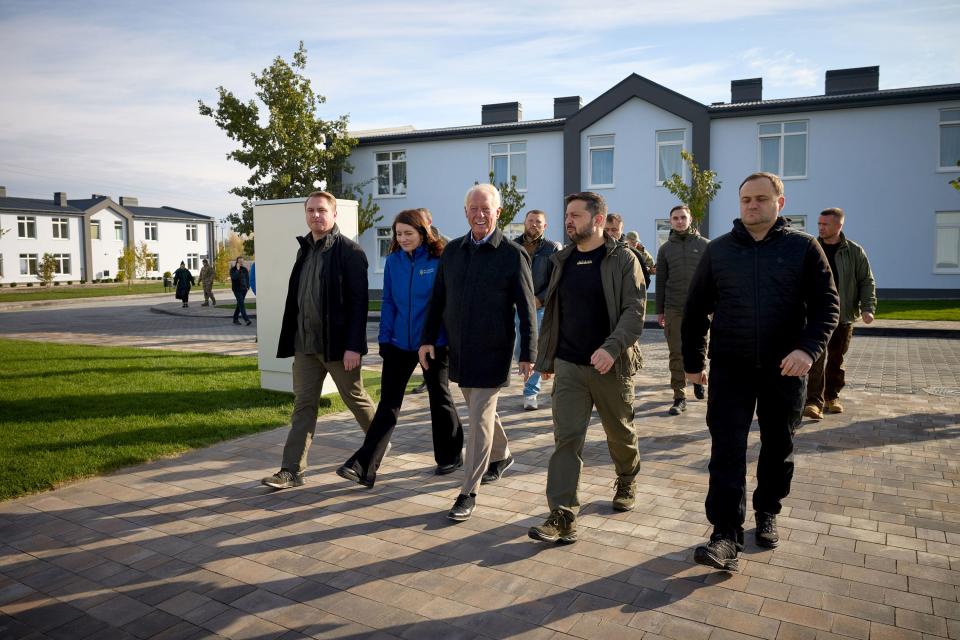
(918, 309)
(23, 294)
(233, 305)
(73, 411)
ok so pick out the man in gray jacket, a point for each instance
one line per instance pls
(677, 259)
(592, 319)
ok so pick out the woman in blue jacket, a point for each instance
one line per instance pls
(407, 284)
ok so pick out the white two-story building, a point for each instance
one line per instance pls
(88, 236)
(885, 156)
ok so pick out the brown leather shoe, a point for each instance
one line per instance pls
(813, 411)
(834, 406)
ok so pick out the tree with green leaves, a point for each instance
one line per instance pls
(46, 269)
(697, 195)
(511, 201)
(221, 264)
(142, 257)
(127, 266)
(288, 148)
(955, 183)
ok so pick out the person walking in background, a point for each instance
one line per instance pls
(613, 227)
(540, 250)
(677, 259)
(408, 276)
(858, 298)
(240, 284)
(324, 329)
(593, 318)
(483, 280)
(765, 293)
(206, 281)
(182, 281)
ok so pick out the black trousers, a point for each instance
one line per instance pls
(398, 366)
(735, 391)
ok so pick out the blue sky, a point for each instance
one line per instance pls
(101, 97)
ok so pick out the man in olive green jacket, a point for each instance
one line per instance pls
(677, 259)
(206, 279)
(858, 299)
(593, 316)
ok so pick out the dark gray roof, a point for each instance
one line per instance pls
(88, 203)
(479, 130)
(36, 205)
(839, 101)
(167, 213)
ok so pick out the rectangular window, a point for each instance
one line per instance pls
(63, 264)
(191, 233)
(783, 148)
(153, 262)
(118, 230)
(797, 222)
(150, 231)
(947, 259)
(193, 261)
(508, 159)
(950, 139)
(392, 173)
(601, 160)
(1, 265)
(663, 232)
(28, 264)
(26, 227)
(669, 161)
(95, 229)
(61, 228)
(513, 230)
(384, 239)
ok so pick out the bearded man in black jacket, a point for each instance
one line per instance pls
(773, 303)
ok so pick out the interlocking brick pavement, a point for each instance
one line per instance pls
(194, 547)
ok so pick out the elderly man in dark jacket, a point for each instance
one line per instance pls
(325, 330)
(539, 248)
(770, 293)
(482, 282)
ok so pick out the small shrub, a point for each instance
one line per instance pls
(69, 282)
(13, 284)
(56, 284)
(29, 284)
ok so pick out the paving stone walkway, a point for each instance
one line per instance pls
(194, 547)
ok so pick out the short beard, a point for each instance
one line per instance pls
(577, 236)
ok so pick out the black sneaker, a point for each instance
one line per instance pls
(249, 322)
(679, 406)
(283, 479)
(698, 391)
(719, 553)
(767, 534)
(462, 508)
(236, 322)
(496, 469)
(420, 388)
(560, 527)
(444, 469)
(354, 473)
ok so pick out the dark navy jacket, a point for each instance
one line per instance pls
(407, 285)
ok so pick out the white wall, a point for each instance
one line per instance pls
(105, 252)
(635, 195)
(11, 246)
(171, 244)
(878, 164)
(440, 172)
(277, 223)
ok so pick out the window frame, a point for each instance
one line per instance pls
(671, 143)
(390, 163)
(661, 229)
(96, 233)
(153, 260)
(29, 223)
(192, 233)
(509, 156)
(383, 234)
(613, 164)
(63, 224)
(118, 230)
(63, 259)
(151, 226)
(781, 137)
(936, 231)
(193, 261)
(940, 126)
(29, 257)
(797, 217)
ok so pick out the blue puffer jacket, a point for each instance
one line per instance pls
(407, 286)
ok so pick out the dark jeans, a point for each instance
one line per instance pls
(827, 375)
(735, 391)
(241, 309)
(398, 366)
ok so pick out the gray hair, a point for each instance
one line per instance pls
(486, 188)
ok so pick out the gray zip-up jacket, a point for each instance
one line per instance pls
(677, 259)
(625, 294)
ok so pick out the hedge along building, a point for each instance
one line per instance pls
(88, 236)
(884, 156)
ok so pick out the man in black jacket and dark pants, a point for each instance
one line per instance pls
(773, 303)
(483, 280)
(324, 329)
